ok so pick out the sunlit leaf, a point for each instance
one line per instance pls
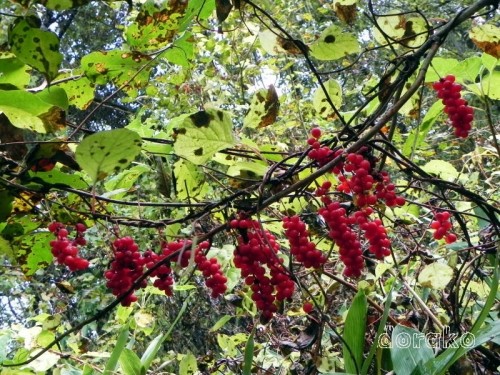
(190, 180)
(130, 362)
(80, 91)
(181, 52)
(123, 68)
(37, 48)
(320, 102)
(263, 108)
(57, 177)
(435, 276)
(188, 365)
(334, 43)
(441, 66)
(200, 135)
(487, 38)
(442, 169)
(13, 71)
(108, 152)
(155, 26)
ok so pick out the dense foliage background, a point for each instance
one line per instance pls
(167, 121)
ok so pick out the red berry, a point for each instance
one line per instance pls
(316, 133)
(307, 307)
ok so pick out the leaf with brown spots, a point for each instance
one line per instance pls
(200, 135)
(36, 48)
(346, 10)
(156, 25)
(487, 38)
(108, 152)
(263, 109)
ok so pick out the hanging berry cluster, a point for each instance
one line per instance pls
(66, 251)
(442, 225)
(301, 248)
(256, 255)
(125, 269)
(128, 267)
(457, 109)
(368, 187)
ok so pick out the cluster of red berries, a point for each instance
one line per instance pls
(210, 268)
(342, 234)
(66, 251)
(457, 109)
(164, 275)
(356, 174)
(322, 154)
(125, 269)
(129, 263)
(442, 225)
(256, 257)
(301, 248)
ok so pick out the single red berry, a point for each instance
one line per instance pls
(316, 133)
(307, 307)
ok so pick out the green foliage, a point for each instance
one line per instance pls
(354, 334)
(36, 48)
(108, 152)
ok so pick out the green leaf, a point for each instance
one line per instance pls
(130, 363)
(486, 37)
(190, 180)
(418, 135)
(247, 169)
(155, 25)
(201, 9)
(150, 353)
(24, 109)
(409, 351)
(188, 365)
(464, 344)
(200, 135)
(263, 108)
(491, 85)
(124, 68)
(354, 334)
(56, 177)
(38, 250)
(320, 102)
(13, 71)
(37, 48)
(248, 358)
(6, 249)
(334, 43)
(435, 276)
(125, 179)
(442, 169)
(80, 91)
(55, 96)
(380, 336)
(467, 70)
(441, 66)
(221, 323)
(117, 351)
(108, 152)
(409, 31)
(181, 52)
